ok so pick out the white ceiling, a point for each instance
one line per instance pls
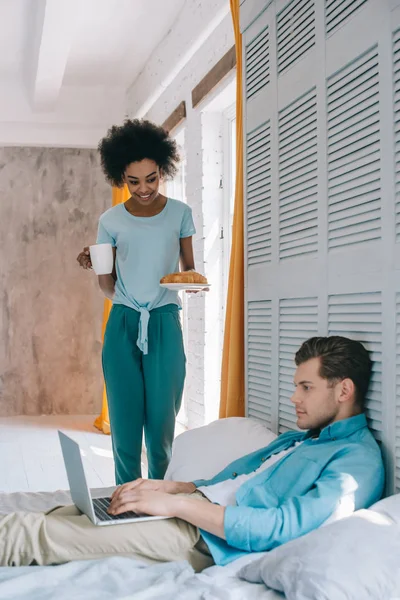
(71, 68)
(115, 38)
(14, 30)
(80, 42)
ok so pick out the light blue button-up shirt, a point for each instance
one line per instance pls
(343, 466)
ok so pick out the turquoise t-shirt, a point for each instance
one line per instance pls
(147, 249)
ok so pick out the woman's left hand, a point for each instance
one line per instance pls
(143, 503)
(206, 289)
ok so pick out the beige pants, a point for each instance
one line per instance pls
(64, 534)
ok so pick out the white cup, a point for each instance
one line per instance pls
(102, 258)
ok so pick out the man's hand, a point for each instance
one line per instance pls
(143, 502)
(155, 485)
(204, 515)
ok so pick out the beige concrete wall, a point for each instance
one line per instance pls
(50, 309)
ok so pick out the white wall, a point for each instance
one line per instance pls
(155, 94)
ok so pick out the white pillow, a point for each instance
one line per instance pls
(390, 507)
(356, 558)
(203, 452)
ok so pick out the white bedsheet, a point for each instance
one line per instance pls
(118, 578)
(121, 578)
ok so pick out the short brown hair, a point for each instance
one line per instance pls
(340, 358)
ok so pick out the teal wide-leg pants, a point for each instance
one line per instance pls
(144, 391)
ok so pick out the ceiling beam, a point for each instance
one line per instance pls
(195, 23)
(214, 76)
(54, 26)
(175, 118)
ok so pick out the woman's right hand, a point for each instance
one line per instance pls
(84, 258)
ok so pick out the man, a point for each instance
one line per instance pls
(258, 502)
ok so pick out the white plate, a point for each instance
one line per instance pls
(178, 287)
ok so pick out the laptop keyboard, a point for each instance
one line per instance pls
(101, 505)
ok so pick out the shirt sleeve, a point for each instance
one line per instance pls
(103, 237)
(349, 480)
(187, 226)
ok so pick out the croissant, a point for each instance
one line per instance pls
(184, 277)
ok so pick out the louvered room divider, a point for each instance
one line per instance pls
(322, 197)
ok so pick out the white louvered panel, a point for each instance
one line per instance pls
(338, 11)
(298, 178)
(295, 32)
(396, 83)
(257, 63)
(298, 321)
(359, 317)
(258, 184)
(259, 361)
(354, 192)
(397, 423)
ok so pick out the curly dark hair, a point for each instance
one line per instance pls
(134, 141)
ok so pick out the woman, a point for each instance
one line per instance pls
(143, 354)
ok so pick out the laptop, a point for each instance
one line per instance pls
(94, 508)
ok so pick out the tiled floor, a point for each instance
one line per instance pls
(31, 458)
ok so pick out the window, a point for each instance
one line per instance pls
(229, 184)
(176, 187)
(176, 190)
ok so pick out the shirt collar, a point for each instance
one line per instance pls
(340, 429)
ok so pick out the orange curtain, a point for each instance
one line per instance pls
(102, 422)
(232, 377)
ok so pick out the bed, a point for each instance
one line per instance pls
(121, 577)
(117, 577)
(354, 568)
